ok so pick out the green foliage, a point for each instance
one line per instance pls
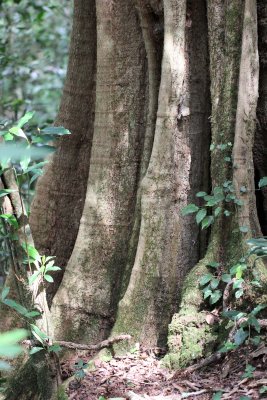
(9, 347)
(79, 367)
(221, 283)
(215, 204)
(26, 167)
(34, 39)
(248, 371)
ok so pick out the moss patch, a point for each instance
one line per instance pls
(190, 337)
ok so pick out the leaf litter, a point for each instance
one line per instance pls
(141, 376)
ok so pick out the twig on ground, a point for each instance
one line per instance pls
(204, 363)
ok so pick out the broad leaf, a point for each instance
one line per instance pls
(48, 278)
(35, 350)
(263, 182)
(240, 336)
(207, 221)
(5, 192)
(189, 209)
(56, 130)
(205, 279)
(27, 117)
(215, 296)
(201, 214)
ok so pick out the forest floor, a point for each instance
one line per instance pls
(240, 375)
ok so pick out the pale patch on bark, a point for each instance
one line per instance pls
(243, 174)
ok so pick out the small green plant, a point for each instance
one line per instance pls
(79, 367)
(21, 153)
(248, 371)
(220, 284)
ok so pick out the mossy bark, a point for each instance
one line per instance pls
(234, 93)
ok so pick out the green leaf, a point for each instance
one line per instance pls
(38, 334)
(212, 147)
(252, 321)
(258, 308)
(17, 131)
(11, 219)
(243, 189)
(201, 214)
(4, 293)
(227, 213)
(55, 348)
(5, 192)
(207, 221)
(24, 163)
(217, 211)
(214, 283)
(226, 278)
(35, 176)
(217, 396)
(189, 209)
(263, 182)
(213, 264)
(8, 343)
(56, 130)
(48, 278)
(32, 314)
(239, 293)
(215, 296)
(201, 194)
(33, 277)
(238, 283)
(52, 268)
(228, 346)
(36, 166)
(233, 315)
(256, 340)
(31, 251)
(35, 349)
(27, 117)
(227, 159)
(205, 279)
(248, 371)
(239, 271)
(206, 293)
(239, 202)
(263, 389)
(16, 306)
(240, 336)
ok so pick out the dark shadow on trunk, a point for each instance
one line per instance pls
(260, 144)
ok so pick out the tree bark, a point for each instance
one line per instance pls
(173, 176)
(57, 207)
(88, 296)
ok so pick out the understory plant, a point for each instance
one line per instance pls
(22, 153)
(226, 287)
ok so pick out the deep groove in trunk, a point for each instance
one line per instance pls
(199, 104)
(260, 144)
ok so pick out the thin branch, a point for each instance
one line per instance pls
(80, 346)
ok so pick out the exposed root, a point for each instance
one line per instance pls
(79, 346)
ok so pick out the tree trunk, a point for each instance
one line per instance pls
(58, 204)
(146, 79)
(87, 306)
(234, 93)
